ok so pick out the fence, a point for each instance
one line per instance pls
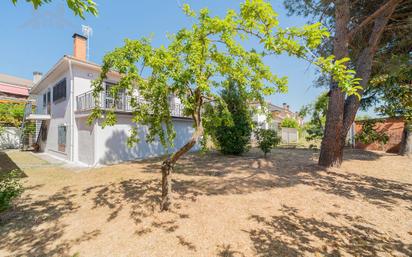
(289, 136)
(9, 138)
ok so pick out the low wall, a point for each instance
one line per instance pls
(393, 127)
(10, 138)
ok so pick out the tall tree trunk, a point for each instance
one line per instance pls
(331, 150)
(341, 113)
(406, 143)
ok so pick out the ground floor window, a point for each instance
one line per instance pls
(61, 141)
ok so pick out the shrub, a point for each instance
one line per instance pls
(10, 188)
(11, 114)
(369, 135)
(267, 139)
(289, 123)
(232, 135)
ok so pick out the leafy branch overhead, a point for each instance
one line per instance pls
(199, 59)
(79, 7)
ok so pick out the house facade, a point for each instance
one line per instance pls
(64, 102)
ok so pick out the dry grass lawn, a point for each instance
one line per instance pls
(224, 206)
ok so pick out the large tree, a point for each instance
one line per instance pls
(360, 29)
(194, 64)
(79, 7)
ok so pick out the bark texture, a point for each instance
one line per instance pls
(406, 145)
(331, 151)
(341, 109)
(169, 164)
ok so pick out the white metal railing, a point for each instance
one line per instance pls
(86, 102)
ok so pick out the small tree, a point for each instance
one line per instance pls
(317, 112)
(194, 64)
(267, 139)
(289, 123)
(232, 135)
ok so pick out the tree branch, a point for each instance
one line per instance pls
(364, 63)
(373, 16)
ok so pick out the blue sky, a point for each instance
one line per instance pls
(35, 40)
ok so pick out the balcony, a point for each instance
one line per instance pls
(86, 102)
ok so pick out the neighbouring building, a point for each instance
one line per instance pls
(277, 115)
(64, 102)
(14, 89)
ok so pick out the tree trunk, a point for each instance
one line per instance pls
(331, 150)
(167, 169)
(341, 113)
(169, 163)
(406, 143)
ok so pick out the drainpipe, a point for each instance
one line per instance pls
(71, 112)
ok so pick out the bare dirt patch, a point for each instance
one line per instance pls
(224, 206)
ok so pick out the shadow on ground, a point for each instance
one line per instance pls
(291, 234)
(7, 165)
(34, 226)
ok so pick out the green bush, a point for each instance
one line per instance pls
(11, 114)
(267, 139)
(369, 135)
(10, 188)
(289, 123)
(232, 135)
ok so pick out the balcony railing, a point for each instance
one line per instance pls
(86, 102)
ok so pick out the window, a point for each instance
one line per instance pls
(61, 140)
(59, 91)
(44, 100)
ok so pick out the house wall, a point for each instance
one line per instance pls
(393, 127)
(83, 134)
(260, 118)
(111, 141)
(85, 141)
(60, 115)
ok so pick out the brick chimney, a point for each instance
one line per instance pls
(37, 75)
(79, 47)
(284, 106)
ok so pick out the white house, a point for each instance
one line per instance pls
(272, 116)
(64, 101)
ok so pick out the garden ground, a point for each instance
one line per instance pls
(224, 206)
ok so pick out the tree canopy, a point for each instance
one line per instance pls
(79, 7)
(198, 61)
(364, 31)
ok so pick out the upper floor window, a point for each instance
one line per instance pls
(59, 90)
(44, 100)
